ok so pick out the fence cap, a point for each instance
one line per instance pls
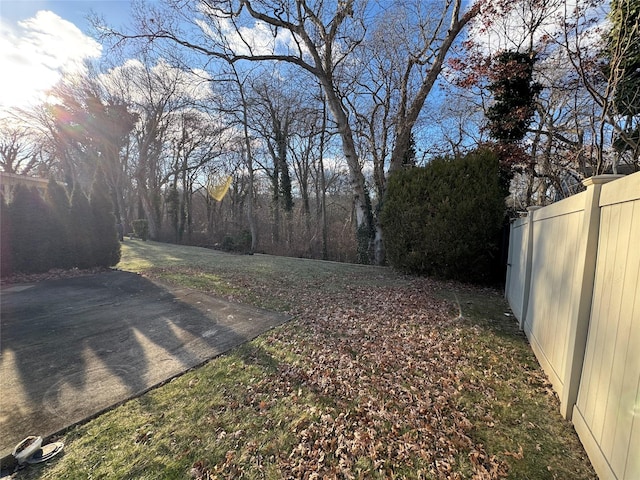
(600, 179)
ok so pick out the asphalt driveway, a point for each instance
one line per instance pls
(72, 348)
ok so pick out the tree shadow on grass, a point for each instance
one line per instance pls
(484, 307)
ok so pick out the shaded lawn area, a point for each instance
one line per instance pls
(377, 376)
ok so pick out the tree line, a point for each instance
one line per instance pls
(311, 107)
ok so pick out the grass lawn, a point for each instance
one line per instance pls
(377, 376)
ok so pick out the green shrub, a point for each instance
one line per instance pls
(446, 219)
(61, 248)
(106, 245)
(31, 232)
(141, 228)
(240, 243)
(243, 241)
(81, 229)
(6, 267)
(227, 243)
(40, 233)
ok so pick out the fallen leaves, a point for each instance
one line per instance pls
(143, 435)
(199, 471)
(519, 455)
(377, 380)
(387, 365)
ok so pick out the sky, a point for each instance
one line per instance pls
(41, 39)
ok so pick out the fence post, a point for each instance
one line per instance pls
(507, 283)
(529, 258)
(580, 311)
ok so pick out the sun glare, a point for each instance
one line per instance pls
(34, 55)
(25, 87)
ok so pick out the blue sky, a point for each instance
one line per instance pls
(40, 39)
(74, 11)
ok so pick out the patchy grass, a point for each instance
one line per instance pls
(510, 395)
(377, 376)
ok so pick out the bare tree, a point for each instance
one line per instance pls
(246, 151)
(18, 153)
(197, 141)
(274, 107)
(577, 123)
(320, 38)
(423, 61)
(158, 94)
(602, 67)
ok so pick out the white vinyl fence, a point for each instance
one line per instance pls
(573, 283)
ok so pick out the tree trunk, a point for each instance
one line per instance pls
(253, 224)
(150, 212)
(323, 186)
(409, 114)
(361, 203)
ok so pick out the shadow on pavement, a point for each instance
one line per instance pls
(72, 348)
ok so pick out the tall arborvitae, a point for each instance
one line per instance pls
(58, 200)
(106, 246)
(80, 229)
(6, 267)
(31, 231)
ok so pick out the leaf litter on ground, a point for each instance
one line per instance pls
(394, 378)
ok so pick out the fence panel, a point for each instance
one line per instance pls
(556, 234)
(573, 282)
(517, 266)
(607, 412)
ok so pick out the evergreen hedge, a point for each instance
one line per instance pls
(106, 244)
(54, 231)
(31, 231)
(59, 205)
(81, 231)
(141, 228)
(446, 219)
(5, 238)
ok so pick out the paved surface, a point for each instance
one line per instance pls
(74, 347)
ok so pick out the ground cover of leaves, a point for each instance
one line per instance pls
(376, 376)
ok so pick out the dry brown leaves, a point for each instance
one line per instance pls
(53, 274)
(387, 362)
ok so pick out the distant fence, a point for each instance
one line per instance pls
(573, 283)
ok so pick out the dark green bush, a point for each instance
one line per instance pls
(227, 243)
(106, 245)
(62, 248)
(6, 267)
(243, 241)
(81, 229)
(446, 219)
(52, 231)
(31, 232)
(141, 228)
(240, 242)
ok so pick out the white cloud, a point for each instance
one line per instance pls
(36, 53)
(257, 39)
(136, 84)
